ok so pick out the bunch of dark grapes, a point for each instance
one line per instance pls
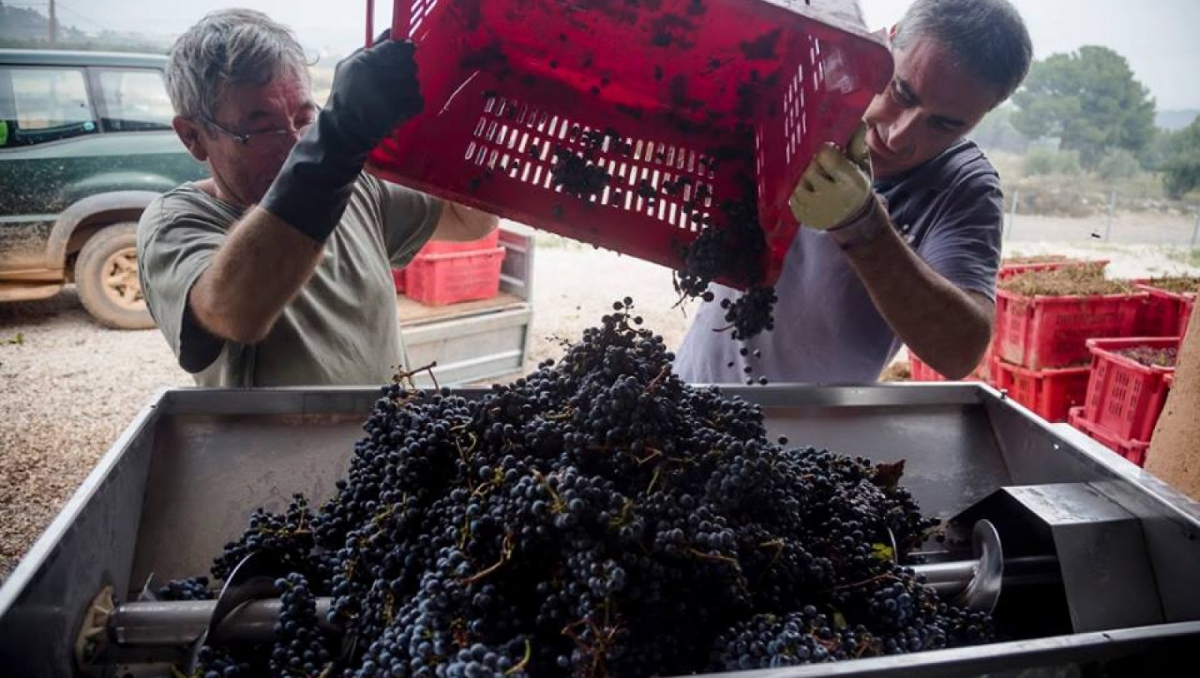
(576, 175)
(288, 537)
(299, 651)
(217, 663)
(732, 251)
(597, 517)
(192, 588)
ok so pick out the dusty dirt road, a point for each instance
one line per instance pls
(69, 387)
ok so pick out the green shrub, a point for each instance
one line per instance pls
(1118, 164)
(1047, 161)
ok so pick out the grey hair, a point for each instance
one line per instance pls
(227, 48)
(987, 37)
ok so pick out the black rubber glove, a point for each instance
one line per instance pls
(373, 90)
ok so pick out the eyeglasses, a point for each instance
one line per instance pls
(268, 137)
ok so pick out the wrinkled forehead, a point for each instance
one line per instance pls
(283, 96)
(942, 84)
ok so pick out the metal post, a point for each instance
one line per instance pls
(1012, 215)
(52, 25)
(1112, 201)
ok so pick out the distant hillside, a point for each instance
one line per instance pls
(21, 25)
(1174, 120)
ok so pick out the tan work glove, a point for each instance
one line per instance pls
(835, 186)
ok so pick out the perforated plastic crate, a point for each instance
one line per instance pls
(487, 243)
(1166, 313)
(439, 279)
(1050, 393)
(398, 278)
(921, 371)
(733, 97)
(1044, 332)
(1009, 270)
(1133, 450)
(1125, 396)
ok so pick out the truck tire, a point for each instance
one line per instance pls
(106, 276)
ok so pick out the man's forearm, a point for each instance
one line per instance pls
(258, 270)
(947, 327)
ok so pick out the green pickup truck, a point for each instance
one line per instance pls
(85, 144)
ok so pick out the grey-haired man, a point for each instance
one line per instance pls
(277, 269)
(901, 237)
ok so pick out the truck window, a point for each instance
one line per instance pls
(133, 101)
(45, 104)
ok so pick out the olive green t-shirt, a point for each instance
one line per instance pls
(342, 328)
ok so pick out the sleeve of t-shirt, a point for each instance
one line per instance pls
(409, 220)
(173, 250)
(964, 244)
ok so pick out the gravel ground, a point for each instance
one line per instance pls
(69, 387)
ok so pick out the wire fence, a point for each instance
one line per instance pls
(1114, 224)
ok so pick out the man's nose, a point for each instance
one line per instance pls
(902, 133)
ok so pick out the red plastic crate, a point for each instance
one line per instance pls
(1166, 313)
(1185, 315)
(1133, 450)
(1050, 393)
(731, 96)
(1125, 396)
(398, 278)
(1044, 332)
(487, 243)
(921, 371)
(439, 279)
(1009, 270)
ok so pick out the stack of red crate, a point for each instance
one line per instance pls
(451, 272)
(1125, 397)
(1038, 352)
(1042, 357)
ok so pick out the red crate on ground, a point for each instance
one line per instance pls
(398, 278)
(1050, 393)
(1009, 270)
(1165, 313)
(1125, 396)
(701, 97)
(1046, 332)
(439, 279)
(489, 242)
(1133, 450)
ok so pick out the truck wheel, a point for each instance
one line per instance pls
(106, 274)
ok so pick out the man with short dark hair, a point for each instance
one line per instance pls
(901, 229)
(277, 270)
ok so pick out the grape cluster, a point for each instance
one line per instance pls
(218, 663)
(733, 251)
(576, 175)
(598, 517)
(192, 588)
(299, 651)
(288, 537)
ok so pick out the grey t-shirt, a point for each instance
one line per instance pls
(343, 326)
(827, 329)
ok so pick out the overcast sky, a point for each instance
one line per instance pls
(1158, 37)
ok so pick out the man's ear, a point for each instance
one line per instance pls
(192, 137)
